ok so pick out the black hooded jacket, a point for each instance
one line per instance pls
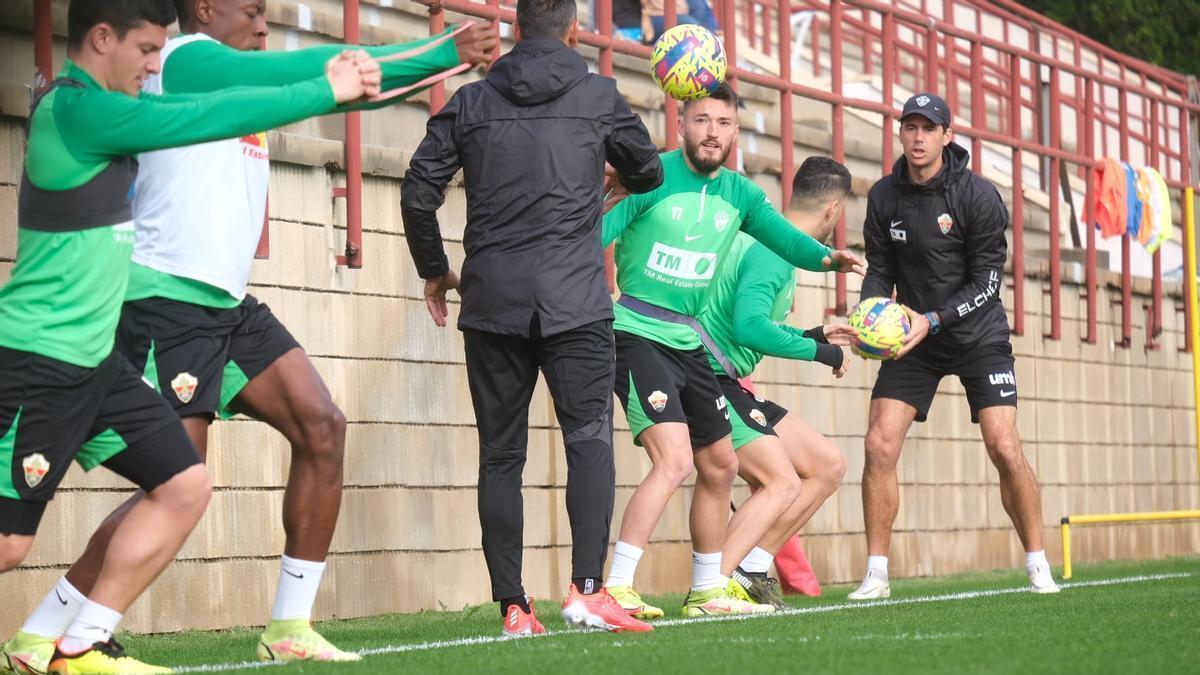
(532, 140)
(941, 245)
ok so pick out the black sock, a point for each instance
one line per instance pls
(588, 585)
(519, 600)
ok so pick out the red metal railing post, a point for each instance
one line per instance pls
(839, 138)
(671, 106)
(889, 59)
(729, 23)
(1089, 210)
(353, 149)
(1185, 168)
(604, 24)
(43, 44)
(263, 251)
(978, 114)
(748, 24)
(1126, 265)
(931, 59)
(1018, 197)
(437, 93)
(815, 38)
(868, 66)
(786, 143)
(1055, 226)
(949, 48)
(1154, 325)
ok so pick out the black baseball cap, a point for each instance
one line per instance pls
(929, 106)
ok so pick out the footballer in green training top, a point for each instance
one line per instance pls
(670, 244)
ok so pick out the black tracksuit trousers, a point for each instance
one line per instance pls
(579, 369)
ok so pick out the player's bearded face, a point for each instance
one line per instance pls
(709, 129)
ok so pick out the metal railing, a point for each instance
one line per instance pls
(915, 48)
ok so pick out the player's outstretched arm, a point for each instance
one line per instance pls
(761, 278)
(100, 124)
(207, 65)
(766, 225)
(630, 152)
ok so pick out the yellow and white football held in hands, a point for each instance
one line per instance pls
(880, 326)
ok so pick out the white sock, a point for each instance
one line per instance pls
(624, 564)
(94, 623)
(877, 564)
(757, 561)
(1037, 558)
(297, 590)
(706, 571)
(57, 611)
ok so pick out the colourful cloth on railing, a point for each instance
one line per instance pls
(1145, 188)
(1133, 210)
(1110, 199)
(1165, 229)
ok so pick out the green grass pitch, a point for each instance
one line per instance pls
(1113, 618)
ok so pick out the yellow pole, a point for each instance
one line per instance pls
(1066, 543)
(1189, 283)
(1092, 519)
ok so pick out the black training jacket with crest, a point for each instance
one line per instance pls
(941, 245)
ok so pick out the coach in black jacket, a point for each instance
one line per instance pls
(532, 140)
(935, 233)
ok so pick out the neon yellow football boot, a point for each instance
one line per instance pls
(718, 602)
(26, 654)
(631, 601)
(104, 658)
(295, 640)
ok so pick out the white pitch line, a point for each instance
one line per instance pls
(493, 639)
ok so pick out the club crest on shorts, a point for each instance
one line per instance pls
(757, 416)
(36, 467)
(657, 400)
(945, 222)
(184, 385)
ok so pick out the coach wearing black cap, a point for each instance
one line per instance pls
(934, 232)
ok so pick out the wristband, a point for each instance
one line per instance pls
(829, 355)
(817, 334)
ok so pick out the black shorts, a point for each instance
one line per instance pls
(987, 373)
(752, 415)
(200, 358)
(657, 384)
(52, 412)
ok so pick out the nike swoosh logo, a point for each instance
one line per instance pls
(895, 223)
(60, 597)
(692, 238)
(298, 576)
(1006, 394)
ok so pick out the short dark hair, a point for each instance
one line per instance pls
(723, 92)
(545, 18)
(122, 15)
(818, 180)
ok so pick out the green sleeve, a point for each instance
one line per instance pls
(617, 219)
(762, 276)
(765, 224)
(99, 125)
(207, 65)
